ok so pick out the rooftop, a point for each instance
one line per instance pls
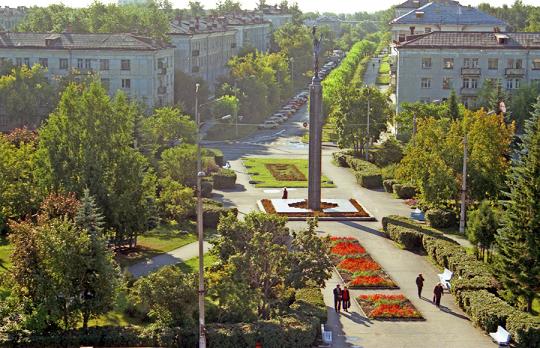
(447, 13)
(417, 3)
(72, 41)
(198, 26)
(478, 40)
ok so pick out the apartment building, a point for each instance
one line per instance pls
(203, 47)
(11, 16)
(332, 22)
(276, 16)
(252, 30)
(141, 67)
(431, 65)
(443, 16)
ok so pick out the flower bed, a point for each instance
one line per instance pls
(360, 213)
(388, 307)
(356, 267)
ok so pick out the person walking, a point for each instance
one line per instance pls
(285, 193)
(346, 298)
(420, 284)
(337, 298)
(437, 294)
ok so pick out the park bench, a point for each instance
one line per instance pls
(501, 337)
(445, 278)
(326, 335)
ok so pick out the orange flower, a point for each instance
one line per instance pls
(358, 264)
(347, 248)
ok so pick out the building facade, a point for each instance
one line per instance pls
(431, 65)
(203, 47)
(275, 15)
(443, 16)
(141, 67)
(10, 17)
(252, 30)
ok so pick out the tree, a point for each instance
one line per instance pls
(482, 226)
(351, 117)
(225, 105)
(166, 296)
(228, 6)
(26, 97)
(176, 202)
(88, 143)
(522, 104)
(184, 91)
(490, 95)
(453, 106)
(196, 9)
(518, 239)
(180, 164)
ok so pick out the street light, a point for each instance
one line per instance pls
(200, 232)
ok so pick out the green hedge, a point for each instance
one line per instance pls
(404, 191)
(224, 179)
(473, 283)
(439, 218)
(388, 184)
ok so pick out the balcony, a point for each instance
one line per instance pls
(162, 71)
(471, 71)
(468, 91)
(514, 72)
(162, 90)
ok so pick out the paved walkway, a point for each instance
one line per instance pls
(182, 254)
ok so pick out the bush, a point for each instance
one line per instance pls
(369, 178)
(206, 189)
(439, 218)
(388, 184)
(217, 154)
(224, 179)
(486, 310)
(310, 302)
(524, 328)
(404, 191)
(390, 152)
(409, 239)
(389, 172)
(340, 158)
(213, 212)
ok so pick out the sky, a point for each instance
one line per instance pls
(336, 6)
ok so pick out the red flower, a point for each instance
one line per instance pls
(389, 306)
(347, 248)
(369, 281)
(379, 297)
(358, 264)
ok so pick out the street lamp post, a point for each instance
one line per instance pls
(200, 175)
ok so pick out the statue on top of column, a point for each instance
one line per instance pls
(316, 51)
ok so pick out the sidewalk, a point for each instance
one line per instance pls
(182, 254)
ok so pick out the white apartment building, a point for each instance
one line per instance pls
(10, 17)
(251, 31)
(275, 15)
(203, 47)
(141, 67)
(431, 65)
(443, 16)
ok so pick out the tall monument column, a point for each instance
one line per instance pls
(315, 131)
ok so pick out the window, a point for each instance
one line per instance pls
(519, 63)
(470, 62)
(80, 63)
(447, 83)
(425, 83)
(195, 69)
(512, 63)
(448, 63)
(18, 61)
(509, 84)
(44, 62)
(427, 30)
(195, 53)
(517, 83)
(233, 45)
(426, 63)
(125, 64)
(536, 63)
(106, 83)
(470, 83)
(493, 64)
(126, 83)
(63, 64)
(88, 63)
(474, 83)
(103, 64)
(401, 37)
(27, 61)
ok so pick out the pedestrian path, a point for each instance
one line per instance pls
(173, 257)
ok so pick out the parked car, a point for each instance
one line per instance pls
(268, 125)
(276, 119)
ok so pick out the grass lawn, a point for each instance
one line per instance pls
(116, 317)
(228, 131)
(383, 79)
(258, 171)
(192, 265)
(5, 253)
(160, 240)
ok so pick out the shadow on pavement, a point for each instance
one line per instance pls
(357, 318)
(358, 226)
(449, 311)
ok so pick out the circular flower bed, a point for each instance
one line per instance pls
(381, 306)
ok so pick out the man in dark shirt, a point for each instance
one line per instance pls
(437, 294)
(337, 298)
(420, 284)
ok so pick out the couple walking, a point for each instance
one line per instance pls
(437, 291)
(342, 297)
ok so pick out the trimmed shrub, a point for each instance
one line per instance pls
(389, 172)
(388, 184)
(413, 225)
(212, 213)
(224, 179)
(206, 189)
(486, 310)
(389, 152)
(340, 158)
(409, 239)
(404, 191)
(369, 178)
(439, 218)
(524, 328)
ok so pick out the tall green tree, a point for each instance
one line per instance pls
(522, 104)
(482, 225)
(87, 142)
(518, 240)
(453, 106)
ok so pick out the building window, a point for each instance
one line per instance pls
(44, 62)
(27, 61)
(195, 53)
(426, 63)
(125, 64)
(447, 83)
(103, 64)
(63, 63)
(106, 83)
(126, 83)
(427, 30)
(195, 69)
(514, 63)
(470, 62)
(425, 83)
(161, 63)
(493, 64)
(18, 62)
(448, 63)
(88, 64)
(470, 83)
(80, 63)
(233, 45)
(536, 63)
(519, 63)
(509, 84)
